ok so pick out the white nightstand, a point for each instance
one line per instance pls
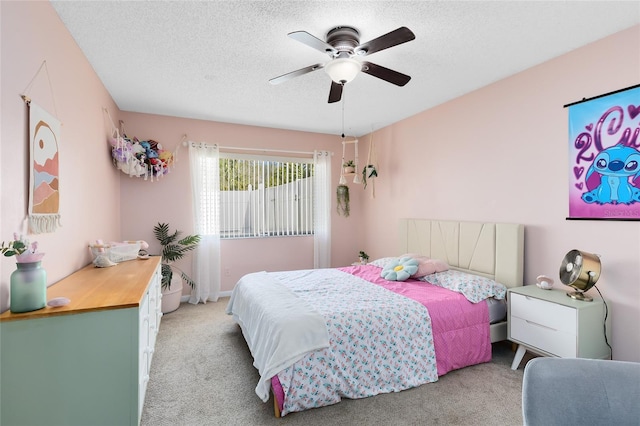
(549, 323)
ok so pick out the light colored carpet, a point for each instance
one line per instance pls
(202, 374)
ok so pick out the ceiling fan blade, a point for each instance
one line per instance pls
(292, 74)
(386, 74)
(335, 94)
(314, 42)
(394, 38)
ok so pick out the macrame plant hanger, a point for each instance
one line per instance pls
(356, 178)
(343, 180)
(370, 171)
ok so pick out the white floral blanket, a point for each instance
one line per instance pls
(385, 346)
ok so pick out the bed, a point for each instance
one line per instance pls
(318, 336)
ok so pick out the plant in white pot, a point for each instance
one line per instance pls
(173, 248)
(349, 167)
(364, 257)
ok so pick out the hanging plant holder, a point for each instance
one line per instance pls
(342, 196)
(370, 171)
(349, 166)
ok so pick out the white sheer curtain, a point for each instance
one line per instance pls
(322, 209)
(205, 184)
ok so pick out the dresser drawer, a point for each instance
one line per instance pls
(543, 313)
(548, 339)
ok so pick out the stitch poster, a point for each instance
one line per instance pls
(604, 157)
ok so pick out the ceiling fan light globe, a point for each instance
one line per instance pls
(343, 70)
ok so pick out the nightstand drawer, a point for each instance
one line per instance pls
(548, 339)
(543, 313)
(550, 323)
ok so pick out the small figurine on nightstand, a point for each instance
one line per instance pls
(544, 282)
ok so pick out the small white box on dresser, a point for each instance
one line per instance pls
(550, 323)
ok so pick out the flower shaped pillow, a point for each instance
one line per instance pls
(400, 269)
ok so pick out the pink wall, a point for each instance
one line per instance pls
(89, 186)
(501, 154)
(145, 203)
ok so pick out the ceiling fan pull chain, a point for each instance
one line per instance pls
(343, 136)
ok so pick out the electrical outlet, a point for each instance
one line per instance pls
(227, 272)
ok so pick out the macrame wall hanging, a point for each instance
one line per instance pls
(136, 158)
(44, 170)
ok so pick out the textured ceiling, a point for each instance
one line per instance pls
(212, 60)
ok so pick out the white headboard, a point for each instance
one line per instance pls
(494, 250)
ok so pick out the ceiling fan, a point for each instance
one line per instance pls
(342, 45)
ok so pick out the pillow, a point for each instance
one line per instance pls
(426, 265)
(400, 269)
(474, 287)
(382, 262)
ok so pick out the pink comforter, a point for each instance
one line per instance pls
(461, 333)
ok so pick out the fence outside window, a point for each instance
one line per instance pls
(262, 196)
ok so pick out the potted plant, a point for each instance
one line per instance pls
(364, 257)
(368, 172)
(349, 167)
(173, 248)
(342, 200)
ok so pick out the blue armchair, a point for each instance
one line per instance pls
(576, 391)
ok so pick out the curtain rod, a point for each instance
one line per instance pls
(282, 151)
(600, 96)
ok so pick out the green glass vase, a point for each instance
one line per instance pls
(28, 287)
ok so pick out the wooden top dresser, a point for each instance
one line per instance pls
(87, 362)
(94, 289)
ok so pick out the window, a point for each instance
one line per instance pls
(264, 196)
